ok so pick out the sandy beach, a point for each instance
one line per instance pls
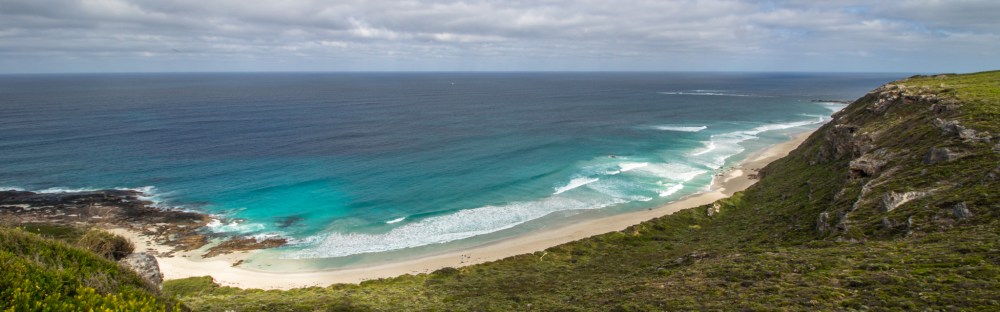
(189, 264)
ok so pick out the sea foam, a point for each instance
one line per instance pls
(441, 229)
(707, 93)
(574, 183)
(721, 146)
(680, 128)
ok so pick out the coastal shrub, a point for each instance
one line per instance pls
(189, 286)
(39, 274)
(110, 246)
(60, 232)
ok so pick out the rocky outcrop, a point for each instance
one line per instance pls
(940, 154)
(952, 127)
(868, 165)
(118, 209)
(892, 200)
(243, 244)
(844, 141)
(714, 209)
(961, 211)
(105, 208)
(823, 223)
(886, 223)
(147, 267)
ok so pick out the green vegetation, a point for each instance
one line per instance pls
(40, 274)
(107, 245)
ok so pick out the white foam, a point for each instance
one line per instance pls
(234, 226)
(671, 189)
(724, 145)
(53, 190)
(574, 183)
(707, 93)
(787, 125)
(620, 189)
(441, 229)
(626, 167)
(396, 220)
(11, 188)
(832, 106)
(681, 128)
(672, 171)
(709, 146)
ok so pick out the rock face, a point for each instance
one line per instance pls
(714, 209)
(952, 127)
(940, 154)
(147, 267)
(868, 165)
(823, 223)
(961, 211)
(892, 200)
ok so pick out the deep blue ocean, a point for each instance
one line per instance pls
(355, 163)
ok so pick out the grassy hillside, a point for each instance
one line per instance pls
(41, 274)
(891, 206)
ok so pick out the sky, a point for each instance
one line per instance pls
(66, 36)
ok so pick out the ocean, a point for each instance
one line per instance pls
(351, 166)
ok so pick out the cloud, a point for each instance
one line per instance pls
(187, 35)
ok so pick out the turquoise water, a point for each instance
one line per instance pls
(350, 165)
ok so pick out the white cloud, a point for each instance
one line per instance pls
(60, 35)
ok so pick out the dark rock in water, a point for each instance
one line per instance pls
(181, 230)
(147, 267)
(961, 211)
(242, 244)
(288, 221)
(114, 208)
(940, 154)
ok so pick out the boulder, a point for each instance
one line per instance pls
(714, 209)
(868, 165)
(147, 267)
(940, 154)
(947, 126)
(961, 211)
(886, 223)
(952, 127)
(823, 223)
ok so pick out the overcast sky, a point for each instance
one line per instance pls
(536, 35)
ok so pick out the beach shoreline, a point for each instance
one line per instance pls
(223, 271)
